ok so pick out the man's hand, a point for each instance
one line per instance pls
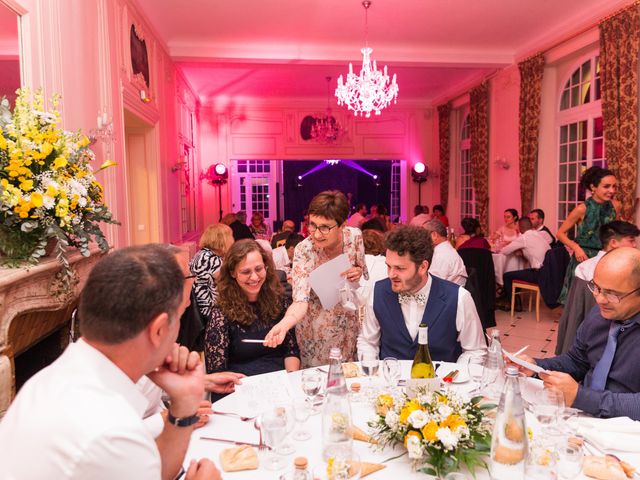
(181, 376)
(523, 370)
(563, 382)
(204, 410)
(222, 382)
(205, 469)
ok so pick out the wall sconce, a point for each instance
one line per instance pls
(502, 163)
(144, 97)
(104, 130)
(180, 164)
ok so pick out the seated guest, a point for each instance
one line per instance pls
(383, 217)
(420, 216)
(446, 263)
(533, 246)
(537, 220)
(613, 235)
(508, 232)
(472, 236)
(359, 216)
(258, 227)
(283, 256)
(278, 239)
(251, 301)
(374, 250)
(239, 229)
(438, 214)
(373, 224)
(206, 263)
(81, 417)
(600, 374)
(411, 296)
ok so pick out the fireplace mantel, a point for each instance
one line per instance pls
(27, 291)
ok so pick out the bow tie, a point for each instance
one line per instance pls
(406, 298)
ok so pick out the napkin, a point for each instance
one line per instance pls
(369, 468)
(239, 458)
(618, 434)
(359, 434)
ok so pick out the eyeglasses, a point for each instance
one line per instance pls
(260, 270)
(189, 277)
(608, 295)
(324, 229)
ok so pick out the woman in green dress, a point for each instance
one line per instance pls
(597, 210)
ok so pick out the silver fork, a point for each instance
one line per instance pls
(235, 415)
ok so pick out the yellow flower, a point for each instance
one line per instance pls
(26, 185)
(60, 162)
(383, 404)
(62, 209)
(454, 421)
(46, 149)
(412, 433)
(3, 142)
(429, 431)
(36, 199)
(84, 141)
(410, 406)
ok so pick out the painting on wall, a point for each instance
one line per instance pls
(139, 56)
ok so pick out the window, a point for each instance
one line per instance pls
(581, 138)
(395, 190)
(253, 183)
(467, 195)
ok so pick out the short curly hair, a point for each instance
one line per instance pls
(373, 242)
(331, 204)
(415, 241)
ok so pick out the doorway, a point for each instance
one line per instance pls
(141, 166)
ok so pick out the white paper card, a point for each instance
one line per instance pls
(523, 363)
(326, 280)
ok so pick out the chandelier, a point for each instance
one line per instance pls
(325, 128)
(371, 89)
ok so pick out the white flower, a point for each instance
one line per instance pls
(414, 449)
(444, 410)
(391, 419)
(418, 419)
(448, 439)
(48, 202)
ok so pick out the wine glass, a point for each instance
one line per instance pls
(301, 412)
(369, 362)
(391, 371)
(311, 383)
(344, 466)
(548, 404)
(274, 429)
(286, 412)
(475, 370)
(570, 457)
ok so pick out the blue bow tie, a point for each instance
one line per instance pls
(406, 298)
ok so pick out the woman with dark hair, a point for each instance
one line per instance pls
(319, 329)
(438, 214)
(598, 209)
(508, 232)
(472, 236)
(251, 301)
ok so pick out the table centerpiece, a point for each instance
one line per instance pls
(440, 430)
(48, 189)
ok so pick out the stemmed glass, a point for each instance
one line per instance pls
(274, 429)
(391, 371)
(301, 412)
(475, 369)
(286, 412)
(311, 384)
(548, 405)
(369, 362)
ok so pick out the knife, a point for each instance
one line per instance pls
(226, 440)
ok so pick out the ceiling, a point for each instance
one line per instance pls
(286, 48)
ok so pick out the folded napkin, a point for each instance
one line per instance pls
(239, 458)
(359, 434)
(618, 434)
(368, 468)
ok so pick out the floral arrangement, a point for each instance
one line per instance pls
(47, 185)
(440, 430)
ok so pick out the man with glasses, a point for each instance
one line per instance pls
(600, 374)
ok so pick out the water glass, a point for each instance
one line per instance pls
(475, 370)
(311, 382)
(548, 405)
(286, 412)
(570, 457)
(301, 412)
(346, 466)
(274, 430)
(391, 371)
(541, 463)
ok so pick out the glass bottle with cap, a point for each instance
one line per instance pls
(509, 444)
(300, 471)
(336, 413)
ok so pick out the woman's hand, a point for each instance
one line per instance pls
(579, 254)
(276, 335)
(353, 274)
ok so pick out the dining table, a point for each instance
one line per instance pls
(507, 263)
(259, 393)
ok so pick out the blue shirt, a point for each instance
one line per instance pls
(621, 396)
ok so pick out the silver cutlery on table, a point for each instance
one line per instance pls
(235, 442)
(236, 415)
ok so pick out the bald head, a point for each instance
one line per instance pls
(621, 264)
(618, 275)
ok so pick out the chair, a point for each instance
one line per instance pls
(532, 288)
(481, 283)
(579, 303)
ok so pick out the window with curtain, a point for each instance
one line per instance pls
(467, 196)
(580, 139)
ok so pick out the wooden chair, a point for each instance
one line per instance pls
(529, 288)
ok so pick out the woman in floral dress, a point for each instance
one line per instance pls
(317, 329)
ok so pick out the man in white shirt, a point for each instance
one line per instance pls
(421, 216)
(81, 417)
(537, 220)
(533, 246)
(446, 264)
(409, 297)
(613, 235)
(357, 219)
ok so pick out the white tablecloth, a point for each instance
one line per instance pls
(507, 263)
(312, 448)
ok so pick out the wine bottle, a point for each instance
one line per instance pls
(422, 372)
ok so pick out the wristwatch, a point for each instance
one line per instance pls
(182, 421)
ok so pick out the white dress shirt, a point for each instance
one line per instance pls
(447, 264)
(79, 418)
(153, 414)
(584, 270)
(533, 244)
(377, 268)
(470, 334)
(544, 233)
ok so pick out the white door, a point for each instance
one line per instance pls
(253, 188)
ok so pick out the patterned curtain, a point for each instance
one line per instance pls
(530, 87)
(444, 125)
(619, 42)
(479, 132)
